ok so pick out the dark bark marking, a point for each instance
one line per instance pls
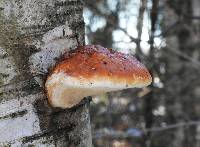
(15, 114)
(48, 133)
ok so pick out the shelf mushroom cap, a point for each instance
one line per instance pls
(91, 70)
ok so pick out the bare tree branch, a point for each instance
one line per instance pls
(105, 132)
(143, 4)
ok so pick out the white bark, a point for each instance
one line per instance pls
(26, 118)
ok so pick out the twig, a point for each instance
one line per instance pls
(98, 12)
(158, 129)
(121, 134)
(185, 56)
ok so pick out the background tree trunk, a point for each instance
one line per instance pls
(181, 53)
(26, 27)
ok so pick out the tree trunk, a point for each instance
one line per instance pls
(181, 55)
(26, 118)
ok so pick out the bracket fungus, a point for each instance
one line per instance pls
(91, 70)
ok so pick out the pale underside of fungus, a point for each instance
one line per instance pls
(91, 70)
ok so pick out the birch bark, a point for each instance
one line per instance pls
(26, 119)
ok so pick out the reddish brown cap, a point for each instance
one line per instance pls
(91, 70)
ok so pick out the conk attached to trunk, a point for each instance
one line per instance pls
(92, 70)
